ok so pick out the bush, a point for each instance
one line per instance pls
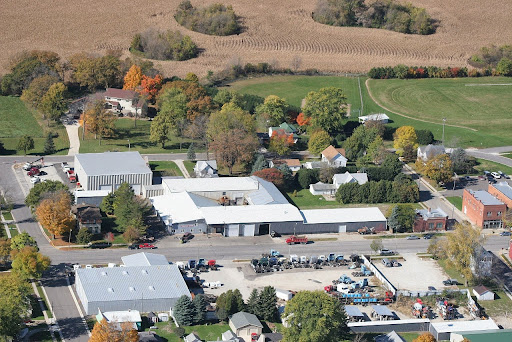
(216, 19)
(489, 57)
(84, 236)
(379, 14)
(179, 331)
(424, 136)
(403, 72)
(169, 45)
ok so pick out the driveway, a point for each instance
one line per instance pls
(74, 140)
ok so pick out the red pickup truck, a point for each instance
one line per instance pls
(297, 239)
(147, 246)
(71, 176)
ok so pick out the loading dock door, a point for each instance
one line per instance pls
(342, 229)
(248, 230)
(232, 230)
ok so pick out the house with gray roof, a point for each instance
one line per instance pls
(144, 288)
(337, 180)
(430, 151)
(206, 169)
(192, 338)
(245, 325)
(108, 170)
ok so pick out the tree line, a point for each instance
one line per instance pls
(494, 57)
(386, 14)
(216, 19)
(503, 68)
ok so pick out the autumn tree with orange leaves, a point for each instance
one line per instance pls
(112, 332)
(280, 142)
(133, 78)
(302, 120)
(150, 86)
(272, 175)
(54, 214)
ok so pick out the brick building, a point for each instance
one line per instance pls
(429, 220)
(483, 209)
(502, 191)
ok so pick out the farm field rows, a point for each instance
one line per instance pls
(273, 31)
(488, 101)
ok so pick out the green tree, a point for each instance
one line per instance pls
(94, 72)
(231, 302)
(348, 193)
(43, 190)
(314, 316)
(327, 108)
(23, 240)
(107, 204)
(49, 145)
(267, 304)
(191, 153)
(358, 143)
(25, 143)
(84, 236)
(319, 141)
(99, 121)
(5, 250)
(54, 103)
(37, 89)
(376, 245)
(29, 263)
(305, 177)
(200, 305)
(252, 303)
(377, 150)
(14, 304)
(439, 168)
(274, 110)
(128, 209)
(405, 137)
(260, 163)
(402, 218)
(160, 128)
(504, 67)
(184, 311)
(461, 246)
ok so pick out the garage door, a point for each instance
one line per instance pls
(232, 230)
(248, 230)
(342, 229)
(136, 189)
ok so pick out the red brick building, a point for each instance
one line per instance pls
(429, 220)
(502, 191)
(483, 209)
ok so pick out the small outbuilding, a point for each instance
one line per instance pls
(245, 325)
(443, 330)
(192, 338)
(283, 294)
(206, 169)
(119, 317)
(353, 313)
(382, 313)
(390, 337)
(483, 293)
(380, 117)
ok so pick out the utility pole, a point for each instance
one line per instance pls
(444, 121)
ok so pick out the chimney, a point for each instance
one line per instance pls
(429, 209)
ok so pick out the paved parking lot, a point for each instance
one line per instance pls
(415, 274)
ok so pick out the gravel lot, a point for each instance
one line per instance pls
(415, 274)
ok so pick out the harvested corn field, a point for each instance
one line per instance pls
(273, 31)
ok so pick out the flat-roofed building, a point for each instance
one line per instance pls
(483, 209)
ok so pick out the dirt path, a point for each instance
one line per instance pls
(182, 167)
(74, 140)
(407, 116)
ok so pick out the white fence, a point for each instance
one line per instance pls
(379, 275)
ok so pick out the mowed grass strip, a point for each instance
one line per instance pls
(165, 168)
(468, 102)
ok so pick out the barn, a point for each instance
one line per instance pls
(108, 170)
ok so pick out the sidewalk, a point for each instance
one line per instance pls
(182, 168)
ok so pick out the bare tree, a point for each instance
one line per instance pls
(296, 63)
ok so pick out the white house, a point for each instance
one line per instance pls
(206, 169)
(124, 101)
(430, 151)
(335, 157)
(483, 293)
(381, 117)
(293, 164)
(347, 177)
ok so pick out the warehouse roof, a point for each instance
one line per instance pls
(337, 215)
(176, 208)
(91, 193)
(431, 213)
(132, 283)
(267, 193)
(353, 311)
(485, 197)
(144, 259)
(211, 184)
(121, 316)
(251, 213)
(501, 335)
(504, 188)
(108, 163)
(460, 326)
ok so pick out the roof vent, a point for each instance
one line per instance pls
(144, 272)
(103, 273)
(125, 272)
(132, 289)
(151, 287)
(110, 289)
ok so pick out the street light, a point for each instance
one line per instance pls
(129, 147)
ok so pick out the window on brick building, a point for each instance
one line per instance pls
(499, 213)
(489, 214)
(430, 226)
(439, 225)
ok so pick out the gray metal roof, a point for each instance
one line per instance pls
(485, 197)
(192, 338)
(108, 163)
(132, 283)
(267, 193)
(382, 310)
(322, 186)
(144, 259)
(504, 188)
(390, 337)
(425, 213)
(242, 319)
(353, 311)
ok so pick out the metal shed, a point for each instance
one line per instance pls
(382, 312)
(354, 314)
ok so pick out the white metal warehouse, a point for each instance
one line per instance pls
(144, 288)
(108, 170)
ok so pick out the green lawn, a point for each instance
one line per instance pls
(45, 301)
(481, 107)
(7, 215)
(497, 307)
(138, 136)
(486, 165)
(451, 271)
(305, 200)
(165, 168)
(507, 155)
(17, 120)
(210, 332)
(189, 165)
(456, 201)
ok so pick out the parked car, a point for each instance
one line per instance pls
(297, 239)
(186, 237)
(449, 282)
(432, 288)
(99, 244)
(413, 237)
(147, 246)
(504, 175)
(496, 175)
(467, 178)
(33, 171)
(428, 236)
(35, 179)
(134, 246)
(486, 173)
(65, 167)
(386, 251)
(505, 234)
(491, 180)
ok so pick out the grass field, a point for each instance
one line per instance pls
(210, 332)
(138, 136)
(295, 88)
(468, 102)
(165, 168)
(487, 165)
(189, 165)
(17, 120)
(456, 201)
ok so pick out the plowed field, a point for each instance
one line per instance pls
(275, 31)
